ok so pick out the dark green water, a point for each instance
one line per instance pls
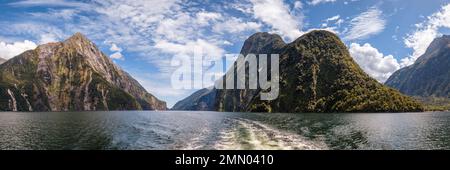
(214, 130)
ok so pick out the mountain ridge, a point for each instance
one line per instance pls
(317, 74)
(430, 74)
(72, 75)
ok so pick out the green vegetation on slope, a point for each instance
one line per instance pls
(435, 103)
(70, 76)
(317, 74)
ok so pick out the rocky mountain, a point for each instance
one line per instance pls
(2, 60)
(429, 75)
(317, 74)
(73, 75)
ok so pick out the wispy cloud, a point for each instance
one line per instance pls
(155, 30)
(41, 32)
(8, 51)
(117, 52)
(333, 18)
(277, 15)
(425, 33)
(60, 3)
(368, 23)
(143, 26)
(65, 14)
(236, 25)
(316, 2)
(332, 24)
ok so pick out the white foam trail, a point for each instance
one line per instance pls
(247, 134)
(197, 142)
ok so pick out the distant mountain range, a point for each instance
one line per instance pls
(317, 74)
(73, 75)
(429, 75)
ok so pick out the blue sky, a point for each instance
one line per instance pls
(142, 35)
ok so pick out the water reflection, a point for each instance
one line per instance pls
(214, 130)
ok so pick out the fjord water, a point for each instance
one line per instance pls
(216, 130)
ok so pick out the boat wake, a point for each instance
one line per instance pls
(225, 134)
(246, 134)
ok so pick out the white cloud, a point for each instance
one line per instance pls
(65, 14)
(115, 48)
(177, 29)
(227, 43)
(155, 30)
(189, 48)
(276, 14)
(60, 3)
(204, 18)
(339, 22)
(8, 51)
(333, 18)
(316, 2)
(43, 33)
(117, 56)
(236, 25)
(373, 62)
(426, 32)
(334, 21)
(298, 5)
(117, 52)
(47, 38)
(133, 23)
(142, 25)
(245, 8)
(366, 24)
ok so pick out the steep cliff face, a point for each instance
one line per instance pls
(239, 100)
(317, 74)
(73, 75)
(205, 99)
(429, 75)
